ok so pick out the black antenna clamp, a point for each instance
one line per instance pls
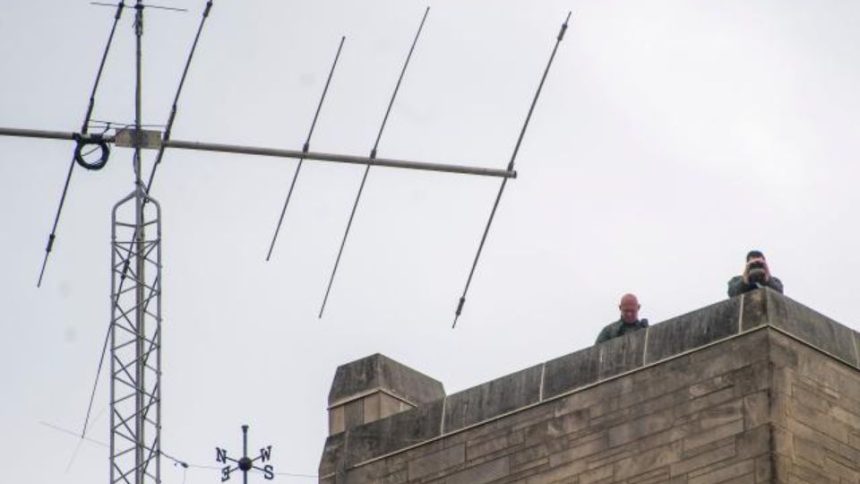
(94, 139)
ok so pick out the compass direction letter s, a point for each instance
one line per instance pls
(269, 472)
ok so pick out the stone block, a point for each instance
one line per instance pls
(389, 405)
(812, 327)
(371, 407)
(482, 473)
(493, 398)
(353, 413)
(636, 428)
(648, 460)
(336, 420)
(393, 433)
(744, 468)
(703, 459)
(506, 442)
(437, 461)
(379, 472)
(693, 330)
(571, 371)
(856, 337)
(754, 312)
(598, 362)
(333, 452)
(620, 355)
(379, 371)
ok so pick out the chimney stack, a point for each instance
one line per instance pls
(375, 387)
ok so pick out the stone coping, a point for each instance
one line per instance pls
(589, 366)
(377, 372)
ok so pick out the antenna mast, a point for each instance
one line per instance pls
(135, 389)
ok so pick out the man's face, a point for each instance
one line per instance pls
(629, 310)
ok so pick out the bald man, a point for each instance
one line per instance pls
(629, 320)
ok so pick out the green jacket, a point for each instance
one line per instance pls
(737, 286)
(619, 328)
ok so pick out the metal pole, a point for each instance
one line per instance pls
(244, 452)
(306, 147)
(37, 133)
(462, 300)
(367, 168)
(283, 153)
(84, 127)
(113, 360)
(336, 158)
(140, 315)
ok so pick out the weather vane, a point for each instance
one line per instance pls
(245, 463)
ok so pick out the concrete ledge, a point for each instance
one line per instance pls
(492, 398)
(812, 327)
(595, 363)
(692, 330)
(570, 373)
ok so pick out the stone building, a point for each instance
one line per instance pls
(757, 388)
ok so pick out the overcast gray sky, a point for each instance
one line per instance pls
(672, 137)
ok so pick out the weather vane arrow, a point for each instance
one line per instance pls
(245, 463)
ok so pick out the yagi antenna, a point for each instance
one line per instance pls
(372, 156)
(510, 168)
(305, 149)
(134, 334)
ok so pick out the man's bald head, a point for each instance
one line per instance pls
(629, 307)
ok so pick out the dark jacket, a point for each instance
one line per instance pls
(737, 286)
(619, 328)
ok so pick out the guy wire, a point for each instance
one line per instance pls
(84, 127)
(305, 149)
(177, 461)
(372, 156)
(510, 167)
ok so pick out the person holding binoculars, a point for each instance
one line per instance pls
(756, 274)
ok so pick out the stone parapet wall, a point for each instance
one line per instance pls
(687, 400)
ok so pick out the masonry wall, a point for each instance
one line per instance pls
(753, 389)
(700, 418)
(816, 416)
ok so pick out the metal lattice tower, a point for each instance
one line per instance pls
(135, 346)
